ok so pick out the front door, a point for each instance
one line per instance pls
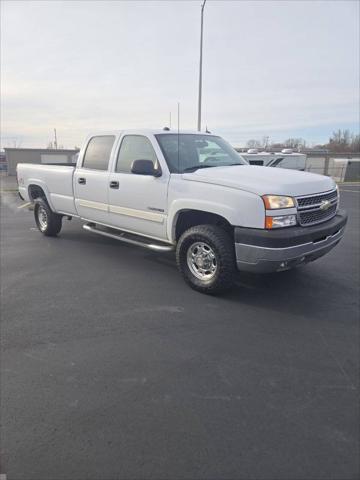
(137, 203)
(91, 180)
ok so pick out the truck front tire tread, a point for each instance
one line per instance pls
(223, 246)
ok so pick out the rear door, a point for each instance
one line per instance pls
(138, 203)
(91, 179)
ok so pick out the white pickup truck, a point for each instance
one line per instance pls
(169, 191)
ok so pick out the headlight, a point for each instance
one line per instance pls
(281, 221)
(277, 201)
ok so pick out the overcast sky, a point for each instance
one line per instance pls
(272, 68)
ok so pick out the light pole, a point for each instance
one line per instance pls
(200, 66)
(55, 139)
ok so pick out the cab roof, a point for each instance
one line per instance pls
(147, 131)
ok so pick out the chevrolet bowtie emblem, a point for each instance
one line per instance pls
(325, 204)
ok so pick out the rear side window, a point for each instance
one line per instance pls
(134, 147)
(98, 151)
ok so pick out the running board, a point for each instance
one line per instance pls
(129, 238)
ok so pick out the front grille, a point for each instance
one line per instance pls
(311, 208)
(317, 216)
(316, 199)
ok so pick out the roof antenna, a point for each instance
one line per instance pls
(178, 139)
(207, 131)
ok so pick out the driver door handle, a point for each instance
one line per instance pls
(114, 184)
(82, 180)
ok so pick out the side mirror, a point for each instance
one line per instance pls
(144, 167)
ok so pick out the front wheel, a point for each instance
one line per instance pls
(48, 222)
(206, 259)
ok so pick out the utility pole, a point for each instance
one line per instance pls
(55, 139)
(200, 66)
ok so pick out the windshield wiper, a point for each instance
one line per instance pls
(195, 167)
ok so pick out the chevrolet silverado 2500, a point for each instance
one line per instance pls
(193, 193)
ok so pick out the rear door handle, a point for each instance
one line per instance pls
(82, 180)
(114, 184)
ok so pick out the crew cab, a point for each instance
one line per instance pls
(166, 191)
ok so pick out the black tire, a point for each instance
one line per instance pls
(222, 254)
(48, 222)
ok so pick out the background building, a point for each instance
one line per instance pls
(13, 156)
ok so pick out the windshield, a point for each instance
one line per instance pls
(187, 152)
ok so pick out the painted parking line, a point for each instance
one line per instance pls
(353, 191)
(25, 205)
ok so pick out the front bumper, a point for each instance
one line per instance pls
(275, 250)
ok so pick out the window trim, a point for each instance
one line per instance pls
(119, 149)
(87, 146)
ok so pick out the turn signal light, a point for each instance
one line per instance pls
(268, 222)
(280, 221)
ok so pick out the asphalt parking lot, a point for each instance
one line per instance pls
(112, 368)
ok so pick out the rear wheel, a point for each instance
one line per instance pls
(205, 257)
(48, 222)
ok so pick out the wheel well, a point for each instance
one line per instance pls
(189, 218)
(36, 192)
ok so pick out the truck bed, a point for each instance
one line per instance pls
(55, 180)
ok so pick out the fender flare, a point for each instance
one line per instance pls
(43, 186)
(179, 206)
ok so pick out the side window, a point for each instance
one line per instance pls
(98, 151)
(134, 147)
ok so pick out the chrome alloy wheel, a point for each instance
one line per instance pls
(201, 261)
(42, 217)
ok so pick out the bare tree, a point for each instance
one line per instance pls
(265, 141)
(344, 141)
(277, 146)
(13, 142)
(253, 143)
(297, 143)
(355, 143)
(16, 143)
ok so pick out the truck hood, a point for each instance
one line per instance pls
(263, 180)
